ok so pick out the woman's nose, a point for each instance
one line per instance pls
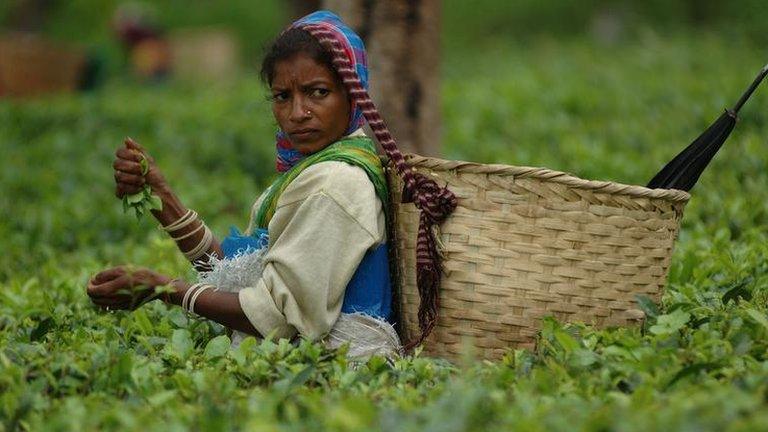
(299, 111)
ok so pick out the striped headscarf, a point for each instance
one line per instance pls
(435, 203)
(354, 50)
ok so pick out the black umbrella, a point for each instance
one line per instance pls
(684, 170)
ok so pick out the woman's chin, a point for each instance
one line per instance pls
(309, 147)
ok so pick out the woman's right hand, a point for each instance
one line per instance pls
(124, 287)
(128, 171)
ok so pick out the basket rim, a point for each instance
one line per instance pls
(546, 174)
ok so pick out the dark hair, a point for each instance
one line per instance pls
(287, 45)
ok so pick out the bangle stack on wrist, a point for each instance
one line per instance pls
(186, 220)
(202, 247)
(189, 234)
(191, 295)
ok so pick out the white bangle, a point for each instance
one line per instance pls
(189, 234)
(181, 222)
(196, 295)
(202, 247)
(187, 293)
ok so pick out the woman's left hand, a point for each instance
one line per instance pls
(124, 287)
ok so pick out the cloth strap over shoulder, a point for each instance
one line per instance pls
(358, 151)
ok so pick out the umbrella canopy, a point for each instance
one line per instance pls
(684, 170)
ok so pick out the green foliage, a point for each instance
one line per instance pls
(606, 20)
(670, 323)
(144, 201)
(89, 22)
(699, 362)
(57, 181)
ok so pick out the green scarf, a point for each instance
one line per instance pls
(357, 151)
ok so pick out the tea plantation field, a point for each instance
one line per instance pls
(616, 112)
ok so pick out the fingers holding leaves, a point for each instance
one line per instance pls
(106, 284)
(129, 166)
(132, 185)
(133, 145)
(130, 155)
(140, 155)
(123, 190)
(128, 174)
(109, 274)
(129, 179)
(125, 288)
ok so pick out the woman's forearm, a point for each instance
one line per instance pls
(222, 307)
(172, 208)
(191, 235)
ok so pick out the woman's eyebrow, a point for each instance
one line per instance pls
(315, 82)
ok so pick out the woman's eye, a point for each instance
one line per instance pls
(280, 97)
(318, 92)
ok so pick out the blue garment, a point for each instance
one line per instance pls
(238, 244)
(369, 291)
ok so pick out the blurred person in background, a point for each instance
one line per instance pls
(144, 41)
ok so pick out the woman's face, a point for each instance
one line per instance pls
(309, 104)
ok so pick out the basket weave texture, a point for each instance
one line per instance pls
(525, 243)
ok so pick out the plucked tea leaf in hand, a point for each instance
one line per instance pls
(155, 203)
(87, 370)
(144, 201)
(135, 198)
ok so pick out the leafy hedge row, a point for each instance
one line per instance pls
(699, 362)
(702, 365)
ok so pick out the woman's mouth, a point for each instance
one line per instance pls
(303, 134)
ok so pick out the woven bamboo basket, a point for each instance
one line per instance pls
(525, 243)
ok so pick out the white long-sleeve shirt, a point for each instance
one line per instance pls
(326, 220)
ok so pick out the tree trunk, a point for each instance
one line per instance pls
(403, 42)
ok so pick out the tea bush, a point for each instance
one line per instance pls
(700, 362)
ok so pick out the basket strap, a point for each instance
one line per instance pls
(435, 203)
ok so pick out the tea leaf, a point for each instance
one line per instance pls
(217, 347)
(670, 323)
(759, 317)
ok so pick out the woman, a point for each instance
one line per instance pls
(313, 261)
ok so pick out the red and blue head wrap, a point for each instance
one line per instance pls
(354, 50)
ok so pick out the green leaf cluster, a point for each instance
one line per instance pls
(698, 362)
(144, 201)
